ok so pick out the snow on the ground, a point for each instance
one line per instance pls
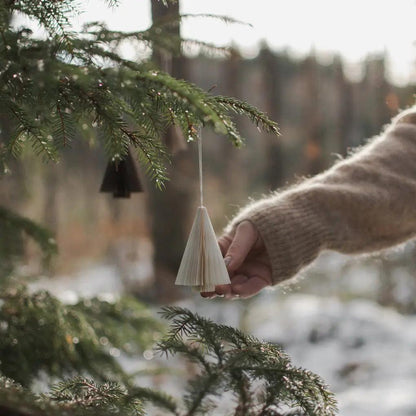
(98, 280)
(366, 353)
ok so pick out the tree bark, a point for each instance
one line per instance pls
(272, 90)
(171, 208)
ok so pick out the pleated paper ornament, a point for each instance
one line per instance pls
(202, 265)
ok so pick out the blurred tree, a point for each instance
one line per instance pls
(344, 118)
(272, 92)
(171, 209)
(131, 106)
(312, 121)
(374, 93)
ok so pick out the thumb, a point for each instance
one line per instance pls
(244, 239)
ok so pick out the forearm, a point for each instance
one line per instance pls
(362, 204)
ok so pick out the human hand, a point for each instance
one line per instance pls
(247, 263)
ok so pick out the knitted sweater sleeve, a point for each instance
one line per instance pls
(362, 204)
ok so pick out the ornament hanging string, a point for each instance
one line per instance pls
(201, 184)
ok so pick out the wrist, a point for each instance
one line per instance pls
(290, 229)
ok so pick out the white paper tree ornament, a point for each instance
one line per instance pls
(202, 264)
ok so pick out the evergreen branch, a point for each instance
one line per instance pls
(222, 18)
(167, 2)
(131, 337)
(152, 37)
(242, 386)
(173, 19)
(39, 234)
(85, 81)
(28, 128)
(152, 154)
(112, 3)
(157, 398)
(87, 390)
(199, 389)
(77, 397)
(293, 383)
(192, 352)
(241, 370)
(13, 228)
(62, 130)
(191, 94)
(239, 364)
(54, 16)
(83, 335)
(240, 107)
(198, 101)
(181, 319)
(206, 48)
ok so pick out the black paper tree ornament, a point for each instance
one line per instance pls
(122, 177)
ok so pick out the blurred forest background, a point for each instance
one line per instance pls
(322, 115)
(341, 321)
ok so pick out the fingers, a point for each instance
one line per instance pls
(235, 247)
(220, 290)
(241, 287)
(249, 288)
(225, 290)
(244, 239)
(208, 295)
(224, 242)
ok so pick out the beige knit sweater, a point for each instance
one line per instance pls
(362, 204)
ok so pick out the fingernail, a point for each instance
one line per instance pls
(227, 261)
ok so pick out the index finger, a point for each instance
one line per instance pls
(224, 242)
(244, 239)
(249, 288)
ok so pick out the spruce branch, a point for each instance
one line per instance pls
(242, 108)
(54, 87)
(52, 15)
(29, 129)
(82, 335)
(157, 398)
(64, 129)
(167, 2)
(77, 397)
(12, 244)
(206, 48)
(259, 376)
(198, 398)
(113, 3)
(221, 18)
(197, 102)
(169, 20)
(232, 361)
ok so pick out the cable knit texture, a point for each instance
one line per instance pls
(364, 203)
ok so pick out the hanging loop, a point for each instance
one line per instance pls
(201, 182)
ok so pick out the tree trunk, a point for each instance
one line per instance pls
(171, 208)
(274, 171)
(313, 152)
